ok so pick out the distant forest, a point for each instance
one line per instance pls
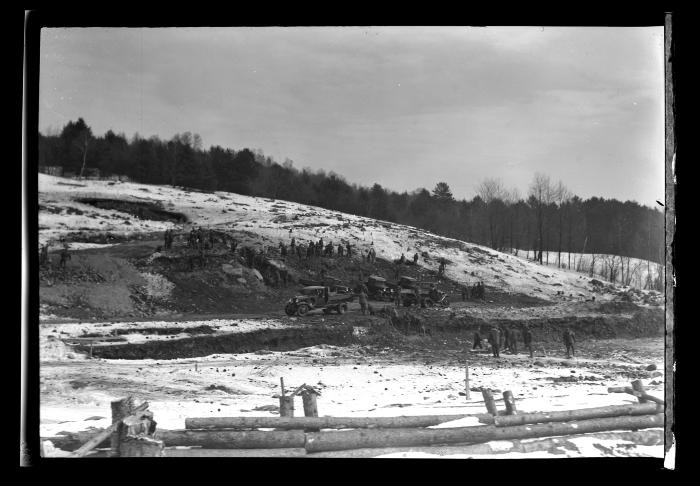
(549, 218)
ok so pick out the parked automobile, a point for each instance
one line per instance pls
(431, 297)
(378, 289)
(318, 297)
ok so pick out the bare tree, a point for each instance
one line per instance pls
(512, 198)
(491, 190)
(82, 142)
(541, 194)
(561, 195)
(591, 270)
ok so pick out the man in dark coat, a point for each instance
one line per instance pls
(513, 341)
(495, 340)
(506, 339)
(363, 298)
(44, 258)
(477, 340)
(433, 294)
(527, 339)
(64, 257)
(569, 341)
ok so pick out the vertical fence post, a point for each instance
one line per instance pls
(466, 376)
(639, 387)
(286, 403)
(121, 409)
(510, 402)
(310, 408)
(489, 401)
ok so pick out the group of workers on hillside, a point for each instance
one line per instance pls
(315, 249)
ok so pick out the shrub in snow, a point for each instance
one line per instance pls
(157, 286)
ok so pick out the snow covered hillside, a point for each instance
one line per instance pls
(269, 221)
(627, 271)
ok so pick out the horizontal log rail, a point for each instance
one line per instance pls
(372, 438)
(215, 423)
(631, 391)
(579, 414)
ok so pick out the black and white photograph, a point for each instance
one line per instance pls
(417, 242)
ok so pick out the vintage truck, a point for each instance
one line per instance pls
(379, 289)
(319, 297)
(431, 297)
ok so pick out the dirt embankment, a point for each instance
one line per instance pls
(140, 209)
(642, 322)
(205, 345)
(134, 279)
(430, 327)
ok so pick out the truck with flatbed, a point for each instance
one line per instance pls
(318, 297)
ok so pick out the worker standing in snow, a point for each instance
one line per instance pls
(569, 341)
(527, 338)
(415, 259)
(44, 258)
(495, 340)
(477, 340)
(514, 341)
(64, 256)
(363, 298)
(506, 339)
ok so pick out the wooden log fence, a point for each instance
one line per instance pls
(133, 432)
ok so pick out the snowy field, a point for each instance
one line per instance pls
(76, 391)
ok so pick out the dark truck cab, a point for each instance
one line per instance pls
(379, 289)
(431, 296)
(319, 297)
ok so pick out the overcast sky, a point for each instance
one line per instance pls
(406, 107)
